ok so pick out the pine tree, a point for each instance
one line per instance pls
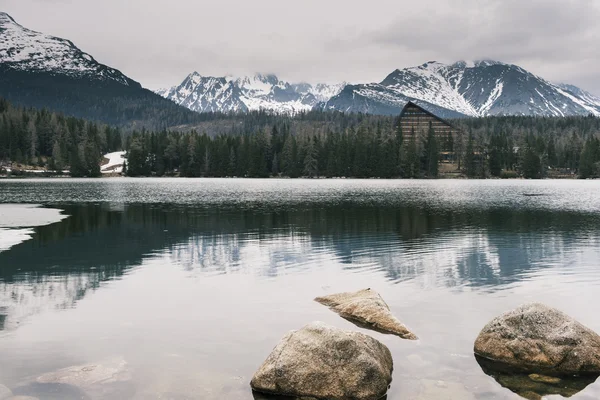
(288, 157)
(91, 160)
(552, 157)
(310, 160)
(590, 157)
(136, 159)
(470, 162)
(494, 153)
(275, 166)
(531, 164)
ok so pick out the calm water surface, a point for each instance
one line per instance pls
(193, 282)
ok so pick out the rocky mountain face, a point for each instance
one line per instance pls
(43, 71)
(475, 89)
(259, 92)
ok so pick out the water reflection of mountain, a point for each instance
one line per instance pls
(64, 261)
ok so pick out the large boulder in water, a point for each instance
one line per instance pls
(540, 339)
(367, 309)
(323, 362)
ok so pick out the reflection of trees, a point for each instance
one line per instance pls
(65, 260)
(31, 296)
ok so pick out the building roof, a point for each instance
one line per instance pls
(410, 103)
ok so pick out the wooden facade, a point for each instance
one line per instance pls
(415, 120)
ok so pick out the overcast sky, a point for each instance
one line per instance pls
(159, 42)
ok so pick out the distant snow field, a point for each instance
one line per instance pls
(115, 163)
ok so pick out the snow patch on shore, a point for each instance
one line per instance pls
(115, 163)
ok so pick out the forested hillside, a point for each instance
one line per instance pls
(330, 144)
(106, 101)
(53, 141)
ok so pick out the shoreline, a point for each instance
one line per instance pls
(115, 176)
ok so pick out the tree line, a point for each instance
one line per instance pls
(311, 144)
(39, 138)
(375, 147)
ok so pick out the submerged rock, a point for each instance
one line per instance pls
(534, 386)
(366, 308)
(544, 379)
(83, 376)
(535, 338)
(110, 378)
(323, 362)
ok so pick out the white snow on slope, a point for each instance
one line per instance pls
(27, 50)
(586, 102)
(323, 91)
(427, 83)
(247, 93)
(115, 162)
(494, 95)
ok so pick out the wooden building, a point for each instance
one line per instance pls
(415, 121)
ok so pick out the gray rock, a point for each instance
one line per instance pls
(85, 376)
(535, 338)
(367, 309)
(323, 362)
(5, 392)
(106, 379)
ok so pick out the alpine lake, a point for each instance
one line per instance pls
(182, 287)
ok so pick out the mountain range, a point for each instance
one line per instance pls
(45, 71)
(473, 89)
(207, 93)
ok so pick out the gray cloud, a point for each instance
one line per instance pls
(159, 42)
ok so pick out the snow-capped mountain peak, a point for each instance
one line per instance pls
(429, 83)
(467, 88)
(26, 50)
(246, 93)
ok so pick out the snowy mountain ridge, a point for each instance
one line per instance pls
(22, 49)
(247, 93)
(476, 88)
(465, 88)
